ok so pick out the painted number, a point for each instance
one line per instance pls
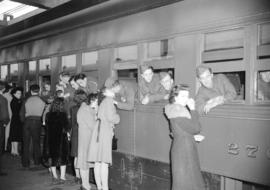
(251, 151)
(233, 149)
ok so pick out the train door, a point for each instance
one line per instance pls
(30, 74)
(14, 74)
(44, 75)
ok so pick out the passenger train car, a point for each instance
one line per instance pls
(116, 37)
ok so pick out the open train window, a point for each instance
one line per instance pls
(238, 81)
(89, 58)
(128, 74)
(68, 63)
(263, 86)
(4, 72)
(126, 53)
(158, 49)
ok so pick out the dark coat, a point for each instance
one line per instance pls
(185, 163)
(4, 116)
(58, 144)
(74, 131)
(15, 124)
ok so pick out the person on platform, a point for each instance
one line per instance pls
(79, 97)
(31, 114)
(58, 129)
(184, 123)
(4, 120)
(149, 85)
(88, 84)
(124, 93)
(87, 120)
(101, 145)
(215, 90)
(16, 125)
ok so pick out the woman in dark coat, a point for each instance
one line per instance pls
(186, 172)
(16, 124)
(58, 144)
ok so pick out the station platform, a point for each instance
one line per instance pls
(19, 178)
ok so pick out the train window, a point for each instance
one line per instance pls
(126, 53)
(263, 86)
(238, 81)
(68, 62)
(4, 72)
(45, 64)
(14, 69)
(264, 34)
(32, 66)
(224, 46)
(159, 49)
(90, 58)
(128, 74)
(263, 50)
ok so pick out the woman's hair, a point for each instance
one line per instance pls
(14, 90)
(91, 98)
(58, 105)
(79, 76)
(175, 91)
(79, 96)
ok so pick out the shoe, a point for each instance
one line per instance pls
(3, 174)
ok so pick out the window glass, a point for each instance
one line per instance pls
(159, 49)
(263, 86)
(238, 81)
(68, 62)
(227, 39)
(45, 65)
(89, 58)
(265, 34)
(4, 72)
(127, 53)
(14, 69)
(32, 66)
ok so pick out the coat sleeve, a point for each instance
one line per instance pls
(200, 101)
(191, 126)
(111, 114)
(229, 90)
(130, 100)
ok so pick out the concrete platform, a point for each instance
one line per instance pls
(19, 178)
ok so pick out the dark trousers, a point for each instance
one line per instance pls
(31, 131)
(2, 144)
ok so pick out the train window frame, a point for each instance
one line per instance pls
(95, 55)
(169, 53)
(6, 75)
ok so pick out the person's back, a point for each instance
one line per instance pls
(34, 106)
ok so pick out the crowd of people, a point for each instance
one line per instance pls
(79, 119)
